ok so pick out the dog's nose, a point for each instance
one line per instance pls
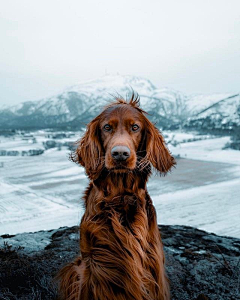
(120, 152)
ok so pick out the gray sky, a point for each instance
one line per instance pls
(189, 45)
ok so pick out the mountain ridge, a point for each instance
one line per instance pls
(168, 108)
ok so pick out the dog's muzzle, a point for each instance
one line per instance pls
(120, 153)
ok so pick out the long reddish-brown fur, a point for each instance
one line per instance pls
(121, 250)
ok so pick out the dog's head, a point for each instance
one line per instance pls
(122, 139)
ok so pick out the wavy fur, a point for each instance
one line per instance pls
(122, 255)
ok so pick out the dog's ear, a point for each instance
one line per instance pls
(89, 150)
(157, 152)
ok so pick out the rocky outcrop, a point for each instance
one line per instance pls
(200, 265)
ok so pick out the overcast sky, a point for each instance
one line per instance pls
(191, 46)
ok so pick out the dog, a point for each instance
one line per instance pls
(122, 254)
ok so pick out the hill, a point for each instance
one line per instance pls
(78, 104)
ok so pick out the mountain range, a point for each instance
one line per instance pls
(78, 104)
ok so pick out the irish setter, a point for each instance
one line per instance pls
(121, 250)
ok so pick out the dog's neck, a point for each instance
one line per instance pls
(113, 184)
(117, 190)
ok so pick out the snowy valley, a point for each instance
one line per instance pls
(40, 189)
(43, 192)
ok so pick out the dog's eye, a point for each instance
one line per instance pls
(107, 127)
(135, 127)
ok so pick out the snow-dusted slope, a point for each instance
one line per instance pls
(222, 112)
(82, 96)
(199, 102)
(77, 104)
(107, 84)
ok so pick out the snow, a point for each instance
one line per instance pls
(108, 84)
(37, 199)
(209, 150)
(226, 111)
(92, 95)
(198, 102)
(214, 208)
(32, 140)
(44, 192)
(19, 144)
(21, 210)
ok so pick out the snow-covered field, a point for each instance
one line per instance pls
(44, 192)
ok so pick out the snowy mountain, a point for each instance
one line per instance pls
(78, 104)
(221, 113)
(74, 106)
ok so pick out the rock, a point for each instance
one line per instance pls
(200, 265)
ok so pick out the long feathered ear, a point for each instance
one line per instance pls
(89, 151)
(156, 150)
